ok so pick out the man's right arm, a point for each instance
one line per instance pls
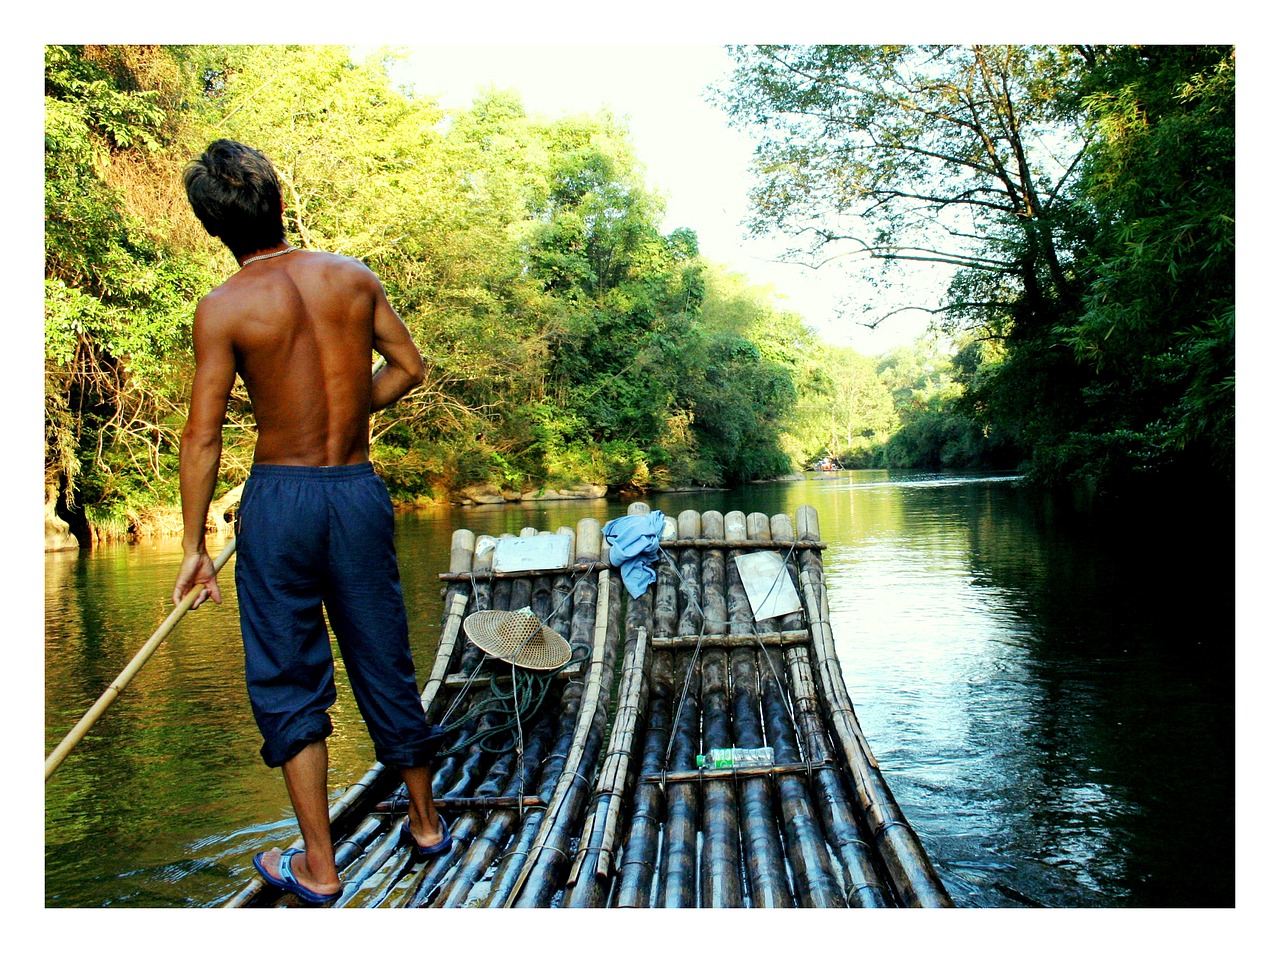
(201, 451)
(404, 369)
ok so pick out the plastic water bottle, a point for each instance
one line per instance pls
(736, 758)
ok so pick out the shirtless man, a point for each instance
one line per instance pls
(315, 522)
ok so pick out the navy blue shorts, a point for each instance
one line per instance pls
(313, 537)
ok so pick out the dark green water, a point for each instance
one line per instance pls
(1049, 690)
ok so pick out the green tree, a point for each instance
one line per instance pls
(1157, 328)
(852, 414)
(117, 289)
(961, 157)
(1084, 198)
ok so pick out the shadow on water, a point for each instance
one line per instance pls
(1043, 683)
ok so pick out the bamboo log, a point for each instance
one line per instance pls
(747, 544)
(483, 596)
(121, 682)
(462, 556)
(678, 862)
(766, 868)
(638, 862)
(721, 878)
(690, 563)
(793, 637)
(587, 884)
(550, 861)
(449, 633)
(491, 574)
(911, 873)
(814, 881)
(745, 772)
(863, 885)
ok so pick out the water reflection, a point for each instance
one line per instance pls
(1033, 680)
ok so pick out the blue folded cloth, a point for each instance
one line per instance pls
(634, 544)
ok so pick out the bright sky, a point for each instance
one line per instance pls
(689, 152)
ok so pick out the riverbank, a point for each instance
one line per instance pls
(166, 522)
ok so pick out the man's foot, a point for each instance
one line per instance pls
(287, 870)
(433, 845)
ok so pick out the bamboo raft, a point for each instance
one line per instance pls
(596, 799)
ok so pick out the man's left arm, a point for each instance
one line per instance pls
(201, 452)
(404, 369)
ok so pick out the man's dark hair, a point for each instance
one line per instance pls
(235, 193)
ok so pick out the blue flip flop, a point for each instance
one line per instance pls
(288, 882)
(426, 853)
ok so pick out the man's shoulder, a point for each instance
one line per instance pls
(330, 259)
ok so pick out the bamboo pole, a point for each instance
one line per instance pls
(516, 573)
(745, 773)
(766, 866)
(638, 861)
(863, 885)
(807, 852)
(678, 868)
(795, 637)
(545, 866)
(721, 878)
(911, 872)
(399, 805)
(708, 543)
(108, 697)
(587, 884)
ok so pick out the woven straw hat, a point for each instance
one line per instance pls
(518, 638)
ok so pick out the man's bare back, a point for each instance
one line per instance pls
(300, 329)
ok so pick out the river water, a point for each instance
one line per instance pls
(1048, 686)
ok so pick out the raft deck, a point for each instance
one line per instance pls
(591, 796)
